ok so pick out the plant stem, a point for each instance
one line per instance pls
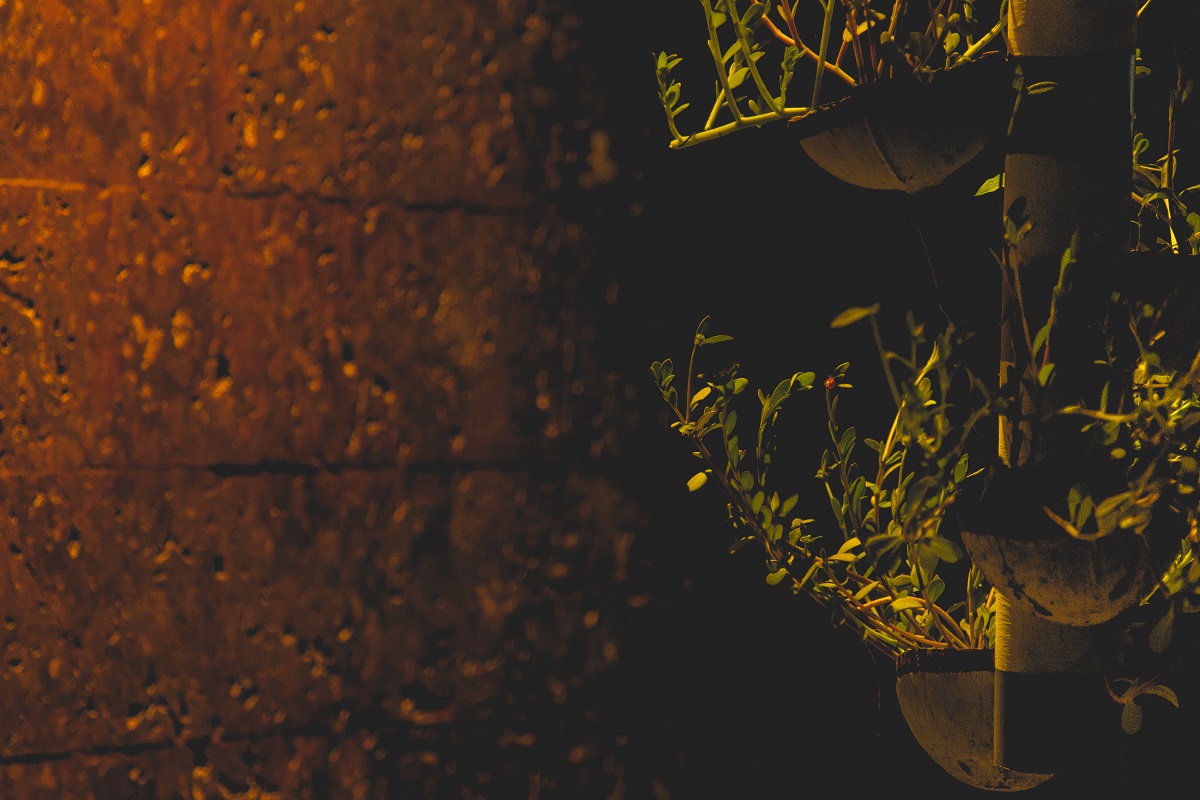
(860, 61)
(755, 121)
(748, 54)
(977, 48)
(714, 49)
(887, 369)
(825, 28)
(794, 40)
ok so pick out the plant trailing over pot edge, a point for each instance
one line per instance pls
(880, 575)
(919, 100)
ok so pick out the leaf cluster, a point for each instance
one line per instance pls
(875, 559)
(872, 44)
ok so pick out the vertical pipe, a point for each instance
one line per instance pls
(1052, 713)
(1066, 172)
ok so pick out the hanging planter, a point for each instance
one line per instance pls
(1015, 526)
(946, 697)
(908, 134)
(1037, 564)
(1051, 707)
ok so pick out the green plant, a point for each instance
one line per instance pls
(1162, 219)
(1133, 464)
(1155, 183)
(878, 557)
(874, 562)
(873, 45)
(882, 557)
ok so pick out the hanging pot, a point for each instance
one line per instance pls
(908, 134)
(1039, 566)
(1052, 710)
(946, 697)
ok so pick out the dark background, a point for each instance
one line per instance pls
(732, 688)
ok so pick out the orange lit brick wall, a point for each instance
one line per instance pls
(274, 408)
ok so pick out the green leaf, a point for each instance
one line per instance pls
(1039, 338)
(753, 14)
(992, 184)
(1110, 504)
(697, 480)
(943, 548)
(866, 590)
(779, 395)
(837, 510)
(1164, 692)
(960, 469)
(853, 315)
(1131, 717)
(788, 505)
(846, 444)
(935, 589)
(775, 577)
(904, 603)
(700, 395)
(1044, 374)
(663, 371)
(812, 570)
(881, 636)
(1160, 634)
(1041, 87)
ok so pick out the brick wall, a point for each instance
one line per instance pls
(291, 400)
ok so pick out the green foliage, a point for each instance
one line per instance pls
(871, 45)
(1163, 216)
(875, 561)
(873, 550)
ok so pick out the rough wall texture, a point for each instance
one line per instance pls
(285, 392)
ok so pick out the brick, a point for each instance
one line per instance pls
(163, 329)
(153, 606)
(412, 101)
(106, 93)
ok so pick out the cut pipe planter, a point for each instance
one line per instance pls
(906, 134)
(1052, 710)
(1051, 575)
(946, 697)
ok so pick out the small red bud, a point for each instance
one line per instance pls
(830, 383)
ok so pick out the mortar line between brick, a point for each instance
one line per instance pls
(103, 190)
(295, 468)
(310, 729)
